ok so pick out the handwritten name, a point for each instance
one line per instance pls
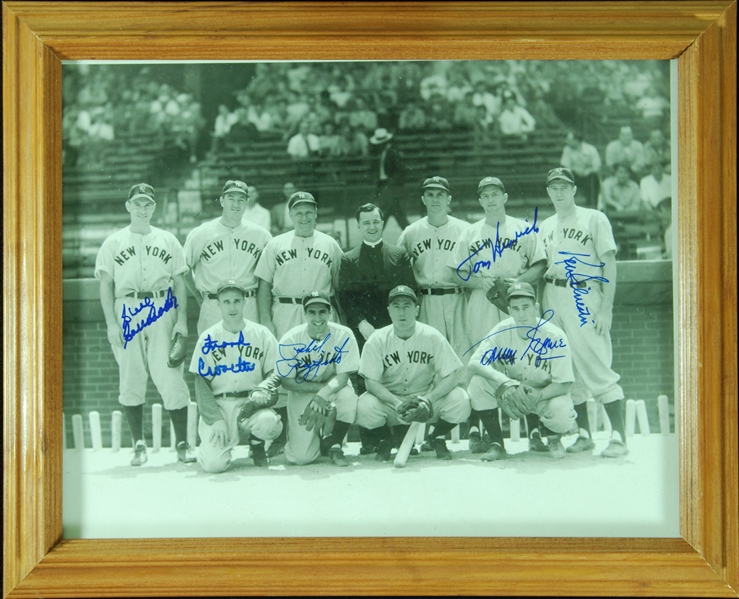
(295, 358)
(154, 314)
(574, 279)
(497, 248)
(240, 365)
(211, 345)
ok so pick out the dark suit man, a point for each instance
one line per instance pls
(367, 274)
(388, 190)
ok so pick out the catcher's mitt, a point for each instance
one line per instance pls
(513, 401)
(416, 409)
(259, 398)
(498, 293)
(319, 414)
(177, 351)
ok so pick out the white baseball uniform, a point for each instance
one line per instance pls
(216, 253)
(574, 245)
(233, 364)
(308, 360)
(443, 300)
(143, 268)
(485, 252)
(541, 358)
(406, 368)
(296, 266)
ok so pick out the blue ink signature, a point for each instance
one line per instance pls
(154, 314)
(497, 249)
(537, 345)
(210, 345)
(297, 360)
(240, 366)
(574, 278)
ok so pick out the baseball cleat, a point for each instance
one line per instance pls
(337, 456)
(615, 449)
(367, 450)
(139, 456)
(258, 455)
(427, 446)
(276, 447)
(184, 453)
(384, 451)
(496, 453)
(478, 444)
(581, 444)
(536, 444)
(556, 450)
(442, 452)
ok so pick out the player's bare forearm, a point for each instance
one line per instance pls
(555, 390)
(107, 300)
(488, 371)
(301, 387)
(443, 387)
(609, 273)
(333, 385)
(180, 292)
(379, 390)
(534, 274)
(464, 278)
(207, 406)
(264, 304)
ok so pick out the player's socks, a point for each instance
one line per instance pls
(135, 418)
(441, 428)
(583, 422)
(615, 411)
(474, 421)
(492, 425)
(338, 434)
(179, 423)
(399, 432)
(368, 439)
(532, 424)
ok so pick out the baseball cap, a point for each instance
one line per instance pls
(141, 190)
(521, 290)
(316, 297)
(230, 284)
(402, 291)
(437, 182)
(233, 185)
(561, 173)
(490, 181)
(300, 197)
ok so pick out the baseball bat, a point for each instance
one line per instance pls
(115, 430)
(515, 429)
(192, 424)
(64, 431)
(405, 447)
(630, 417)
(664, 415)
(641, 416)
(421, 435)
(79, 436)
(156, 427)
(95, 432)
(172, 437)
(455, 434)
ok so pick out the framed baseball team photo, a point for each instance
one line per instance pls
(404, 298)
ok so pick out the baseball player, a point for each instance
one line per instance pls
(430, 243)
(495, 248)
(227, 248)
(579, 286)
(292, 265)
(403, 361)
(523, 365)
(144, 299)
(314, 362)
(231, 359)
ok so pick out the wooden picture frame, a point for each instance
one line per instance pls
(38, 562)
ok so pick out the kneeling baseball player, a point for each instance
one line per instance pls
(235, 385)
(410, 371)
(523, 366)
(314, 362)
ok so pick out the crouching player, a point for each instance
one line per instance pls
(523, 366)
(314, 362)
(402, 361)
(232, 359)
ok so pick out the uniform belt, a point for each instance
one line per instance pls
(237, 395)
(145, 294)
(250, 293)
(440, 290)
(290, 300)
(564, 282)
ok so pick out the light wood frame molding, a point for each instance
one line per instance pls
(39, 563)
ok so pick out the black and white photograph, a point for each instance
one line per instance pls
(376, 298)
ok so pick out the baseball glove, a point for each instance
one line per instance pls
(259, 398)
(320, 415)
(513, 401)
(416, 409)
(498, 293)
(177, 351)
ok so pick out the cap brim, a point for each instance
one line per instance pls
(435, 186)
(235, 189)
(303, 202)
(142, 195)
(567, 179)
(400, 295)
(316, 301)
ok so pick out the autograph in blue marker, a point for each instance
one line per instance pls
(541, 346)
(240, 365)
(497, 248)
(295, 358)
(153, 315)
(574, 278)
(210, 345)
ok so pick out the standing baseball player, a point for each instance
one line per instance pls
(227, 248)
(495, 251)
(523, 366)
(430, 243)
(314, 362)
(144, 299)
(233, 362)
(579, 286)
(404, 363)
(293, 265)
